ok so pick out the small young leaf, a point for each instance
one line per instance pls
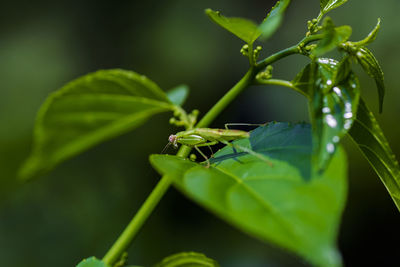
(371, 36)
(186, 259)
(332, 37)
(284, 204)
(328, 5)
(273, 20)
(245, 29)
(369, 137)
(178, 94)
(91, 262)
(371, 66)
(88, 111)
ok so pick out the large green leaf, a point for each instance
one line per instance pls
(274, 19)
(285, 203)
(328, 5)
(89, 110)
(187, 259)
(91, 262)
(334, 92)
(373, 144)
(245, 29)
(333, 37)
(371, 66)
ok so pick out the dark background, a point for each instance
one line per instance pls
(79, 209)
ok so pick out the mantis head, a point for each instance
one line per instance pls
(172, 140)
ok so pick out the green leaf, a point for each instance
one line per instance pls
(371, 36)
(373, 144)
(328, 5)
(187, 259)
(88, 111)
(333, 37)
(334, 92)
(92, 262)
(371, 66)
(285, 204)
(245, 29)
(274, 19)
(178, 94)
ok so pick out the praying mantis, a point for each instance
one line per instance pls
(199, 137)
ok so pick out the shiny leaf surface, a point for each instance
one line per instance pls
(328, 5)
(88, 111)
(284, 204)
(92, 262)
(245, 29)
(185, 259)
(274, 19)
(373, 144)
(371, 66)
(335, 94)
(178, 94)
(333, 37)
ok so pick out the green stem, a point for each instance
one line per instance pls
(287, 52)
(281, 83)
(226, 99)
(136, 223)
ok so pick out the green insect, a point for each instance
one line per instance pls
(200, 137)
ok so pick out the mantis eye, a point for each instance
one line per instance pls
(172, 139)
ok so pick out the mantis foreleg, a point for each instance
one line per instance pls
(209, 144)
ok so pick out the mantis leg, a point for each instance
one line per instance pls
(242, 124)
(247, 150)
(209, 144)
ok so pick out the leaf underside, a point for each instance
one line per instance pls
(178, 95)
(284, 203)
(328, 5)
(88, 111)
(274, 19)
(245, 29)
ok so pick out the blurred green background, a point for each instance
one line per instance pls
(79, 209)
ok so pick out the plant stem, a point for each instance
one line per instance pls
(226, 99)
(136, 223)
(287, 52)
(125, 239)
(281, 83)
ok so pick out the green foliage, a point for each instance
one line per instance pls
(296, 198)
(335, 94)
(88, 111)
(284, 204)
(178, 94)
(245, 29)
(274, 19)
(328, 5)
(187, 259)
(371, 66)
(369, 137)
(370, 37)
(333, 36)
(92, 262)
